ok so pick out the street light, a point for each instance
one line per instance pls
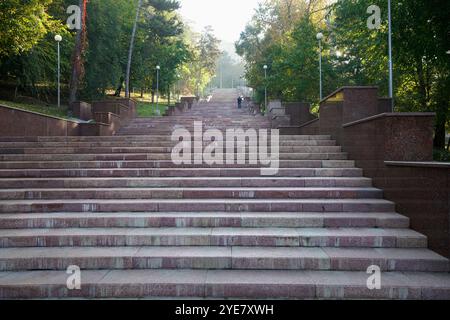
(319, 37)
(265, 89)
(58, 40)
(157, 88)
(157, 83)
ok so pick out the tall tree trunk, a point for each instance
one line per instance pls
(422, 84)
(130, 52)
(442, 112)
(168, 95)
(77, 56)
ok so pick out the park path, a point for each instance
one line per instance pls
(138, 225)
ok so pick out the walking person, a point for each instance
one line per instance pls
(239, 102)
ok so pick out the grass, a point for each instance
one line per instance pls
(46, 109)
(147, 109)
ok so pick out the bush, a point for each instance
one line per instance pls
(441, 155)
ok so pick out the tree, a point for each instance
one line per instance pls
(78, 54)
(130, 53)
(23, 24)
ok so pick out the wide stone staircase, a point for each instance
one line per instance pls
(139, 226)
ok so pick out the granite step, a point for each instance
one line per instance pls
(253, 284)
(137, 138)
(155, 156)
(143, 144)
(178, 172)
(168, 164)
(191, 193)
(198, 205)
(34, 183)
(203, 220)
(132, 149)
(211, 257)
(259, 237)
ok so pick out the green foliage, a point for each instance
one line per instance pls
(33, 69)
(352, 53)
(205, 54)
(441, 155)
(28, 55)
(23, 24)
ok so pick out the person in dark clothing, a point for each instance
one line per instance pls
(239, 102)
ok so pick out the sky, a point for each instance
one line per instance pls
(227, 17)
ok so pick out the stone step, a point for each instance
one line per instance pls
(137, 138)
(178, 172)
(260, 237)
(118, 164)
(115, 150)
(210, 258)
(143, 144)
(34, 183)
(154, 156)
(198, 205)
(204, 220)
(191, 193)
(219, 284)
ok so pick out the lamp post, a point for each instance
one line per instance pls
(58, 40)
(319, 37)
(157, 88)
(391, 73)
(157, 83)
(265, 89)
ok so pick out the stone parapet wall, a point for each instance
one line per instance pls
(396, 151)
(15, 122)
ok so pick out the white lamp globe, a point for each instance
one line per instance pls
(319, 36)
(265, 67)
(58, 38)
(158, 67)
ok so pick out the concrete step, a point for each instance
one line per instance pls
(204, 220)
(256, 284)
(178, 172)
(199, 205)
(34, 183)
(168, 164)
(191, 193)
(210, 257)
(259, 237)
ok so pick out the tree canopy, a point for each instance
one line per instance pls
(282, 35)
(94, 62)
